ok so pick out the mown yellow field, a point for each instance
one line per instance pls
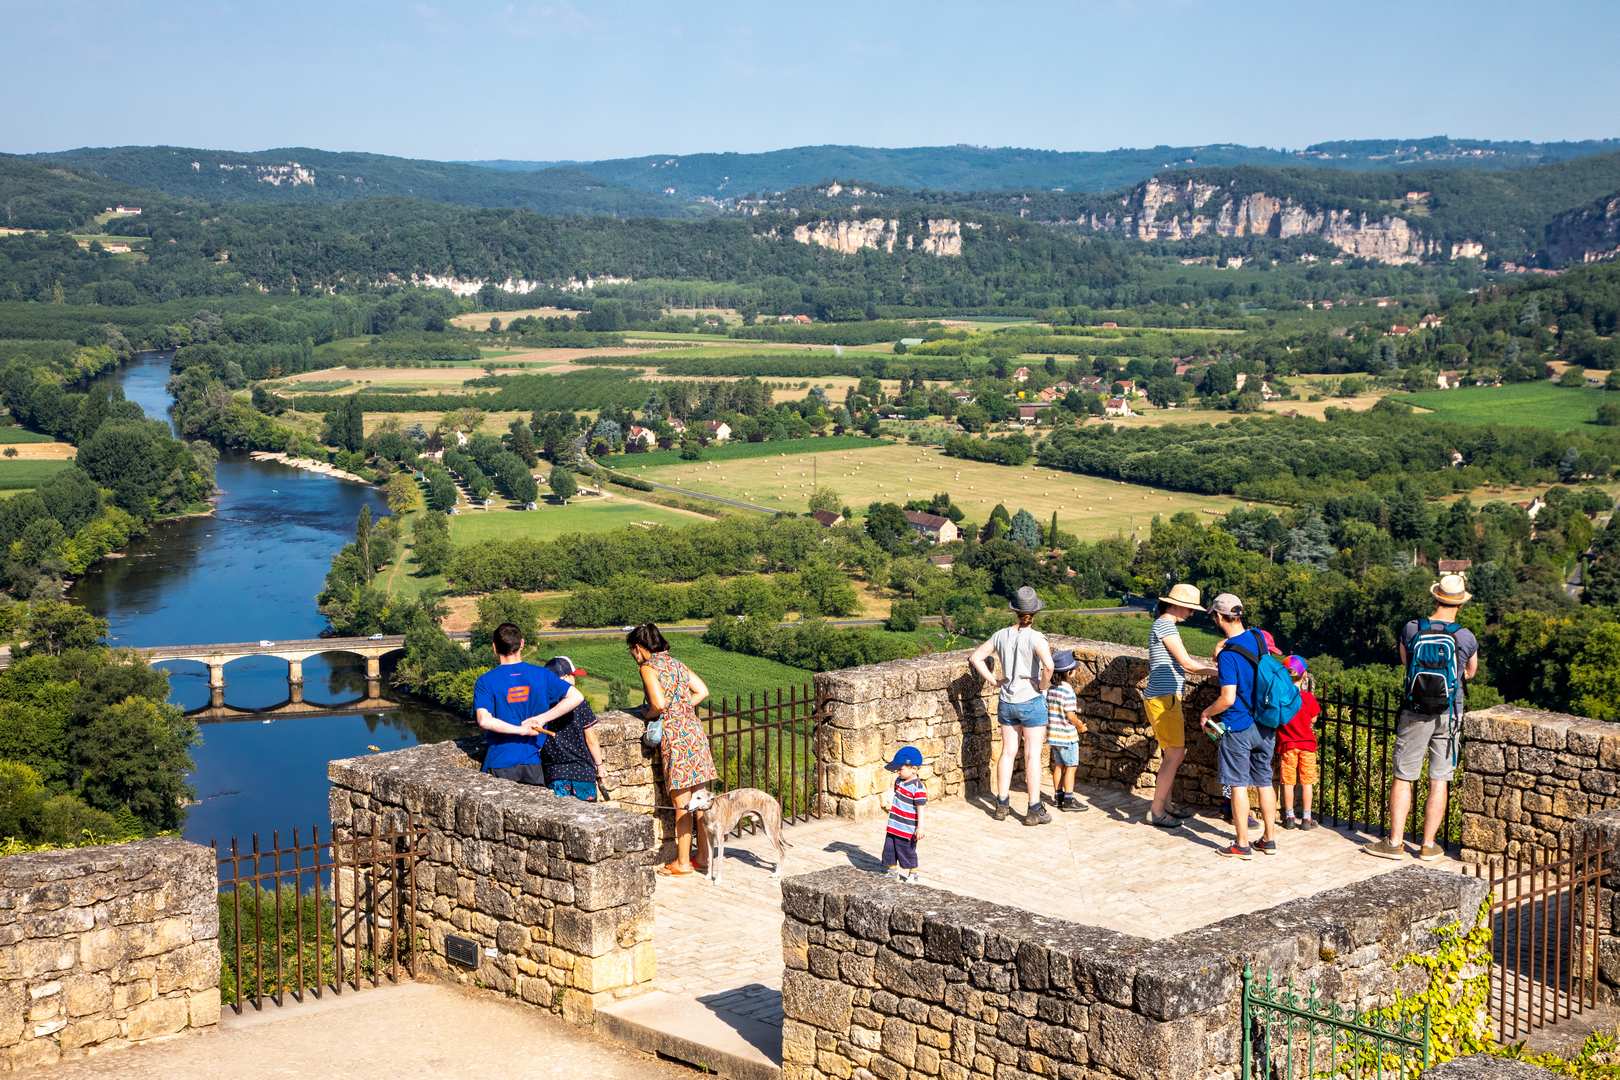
(1087, 506)
(42, 451)
(478, 320)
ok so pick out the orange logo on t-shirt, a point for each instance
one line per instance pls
(517, 693)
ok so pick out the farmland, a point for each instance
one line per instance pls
(1533, 404)
(726, 673)
(1087, 506)
(584, 515)
(737, 451)
(19, 475)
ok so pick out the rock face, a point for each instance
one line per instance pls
(1589, 234)
(935, 236)
(1180, 209)
(102, 947)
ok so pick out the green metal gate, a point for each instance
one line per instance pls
(1289, 1035)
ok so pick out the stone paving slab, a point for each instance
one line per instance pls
(720, 945)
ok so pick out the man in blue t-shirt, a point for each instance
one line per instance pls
(1245, 748)
(513, 701)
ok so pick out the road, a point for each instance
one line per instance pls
(721, 499)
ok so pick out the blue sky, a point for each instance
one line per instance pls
(554, 79)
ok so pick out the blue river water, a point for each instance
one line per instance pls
(251, 571)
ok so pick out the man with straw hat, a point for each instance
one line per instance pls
(1026, 671)
(1439, 657)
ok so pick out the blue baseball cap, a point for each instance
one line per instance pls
(906, 755)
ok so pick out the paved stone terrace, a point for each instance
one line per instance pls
(719, 947)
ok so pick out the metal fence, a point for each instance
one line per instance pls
(1356, 755)
(1289, 1035)
(1546, 909)
(309, 917)
(770, 742)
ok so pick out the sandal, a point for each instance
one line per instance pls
(671, 870)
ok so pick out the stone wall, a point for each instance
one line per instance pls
(937, 704)
(906, 981)
(1528, 776)
(1487, 1067)
(102, 947)
(556, 893)
(1605, 827)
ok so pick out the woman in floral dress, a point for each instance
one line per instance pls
(674, 692)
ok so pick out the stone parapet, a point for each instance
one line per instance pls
(556, 893)
(104, 947)
(1528, 775)
(1487, 1067)
(1604, 828)
(886, 979)
(937, 704)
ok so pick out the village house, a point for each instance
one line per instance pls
(942, 562)
(1127, 387)
(827, 519)
(1021, 375)
(908, 342)
(128, 211)
(717, 430)
(1267, 393)
(640, 435)
(937, 530)
(1032, 412)
(1448, 380)
(962, 397)
(1431, 320)
(1456, 459)
(1454, 566)
(1117, 406)
(1399, 330)
(1110, 325)
(677, 426)
(1091, 384)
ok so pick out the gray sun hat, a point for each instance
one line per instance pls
(1064, 660)
(1025, 601)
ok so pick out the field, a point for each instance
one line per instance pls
(1088, 506)
(1535, 405)
(10, 435)
(17, 475)
(726, 673)
(583, 515)
(736, 451)
(478, 320)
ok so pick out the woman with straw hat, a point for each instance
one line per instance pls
(1026, 671)
(1168, 664)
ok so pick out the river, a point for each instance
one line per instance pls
(251, 571)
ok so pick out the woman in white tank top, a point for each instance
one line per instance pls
(1025, 660)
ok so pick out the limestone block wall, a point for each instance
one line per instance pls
(556, 893)
(1528, 775)
(103, 947)
(937, 704)
(893, 980)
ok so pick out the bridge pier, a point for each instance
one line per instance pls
(295, 681)
(216, 683)
(373, 668)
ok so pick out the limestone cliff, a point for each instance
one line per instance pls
(1180, 208)
(1589, 234)
(935, 236)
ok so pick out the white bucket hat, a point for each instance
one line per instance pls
(1184, 595)
(1452, 590)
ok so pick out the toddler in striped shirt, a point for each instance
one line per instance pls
(1063, 728)
(905, 805)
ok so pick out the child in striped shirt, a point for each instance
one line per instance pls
(1063, 728)
(905, 805)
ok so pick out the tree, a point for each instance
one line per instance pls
(136, 754)
(520, 440)
(563, 485)
(431, 542)
(504, 606)
(886, 524)
(1052, 532)
(362, 540)
(1025, 531)
(402, 494)
(1608, 415)
(826, 499)
(55, 626)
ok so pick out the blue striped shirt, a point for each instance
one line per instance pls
(907, 798)
(1164, 674)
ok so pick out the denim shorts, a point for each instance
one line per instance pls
(584, 790)
(1066, 754)
(1244, 757)
(1031, 713)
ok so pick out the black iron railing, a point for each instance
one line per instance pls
(769, 741)
(307, 917)
(1357, 760)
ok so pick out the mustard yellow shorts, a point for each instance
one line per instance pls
(1169, 726)
(1298, 767)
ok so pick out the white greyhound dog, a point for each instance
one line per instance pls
(720, 814)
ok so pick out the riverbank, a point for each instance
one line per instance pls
(308, 465)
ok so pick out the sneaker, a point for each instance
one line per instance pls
(1307, 823)
(1290, 823)
(1001, 811)
(1180, 812)
(1071, 803)
(1266, 847)
(1165, 821)
(1385, 849)
(912, 878)
(1431, 853)
(1232, 851)
(1037, 815)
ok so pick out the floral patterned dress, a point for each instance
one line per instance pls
(685, 746)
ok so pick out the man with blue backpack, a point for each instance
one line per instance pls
(1258, 696)
(1439, 658)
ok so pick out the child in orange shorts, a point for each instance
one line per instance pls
(1296, 747)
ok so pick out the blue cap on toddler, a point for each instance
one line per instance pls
(906, 755)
